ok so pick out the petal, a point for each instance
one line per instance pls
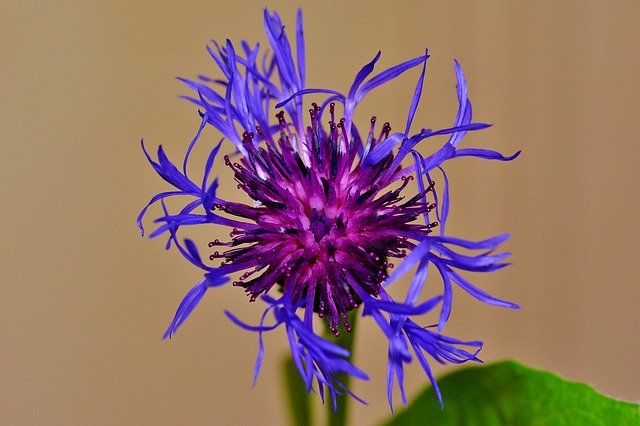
(414, 257)
(417, 283)
(485, 154)
(437, 158)
(281, 49)
(401, 308)
(464, 114)
(362, 74)
(153, 200)
(205, 90)
(447, 292)
(479, 294)
(489, 243)
(188, 304)
(245, 326)
(192, 144)
(382, 149)
(300, 47)
(444, 206)
(168, 171)
(416, 94)
(385, 76)
(305, 92)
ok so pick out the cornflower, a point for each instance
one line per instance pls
(331, 211)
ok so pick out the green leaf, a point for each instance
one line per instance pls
(508, 393)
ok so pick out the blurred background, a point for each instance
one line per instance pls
(84, 299)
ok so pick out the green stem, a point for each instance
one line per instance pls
(298, 399)
(339, 418)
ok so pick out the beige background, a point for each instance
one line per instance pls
(84, 300)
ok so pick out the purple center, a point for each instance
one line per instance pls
(326, 225)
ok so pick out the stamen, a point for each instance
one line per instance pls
(386, 129)
(247, 138)
(217, 242)
(405, 181)
(327, 201)
(284, 126)
(344, 134)
(333, 130)
(313, 116)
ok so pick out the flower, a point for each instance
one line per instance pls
(331, 210)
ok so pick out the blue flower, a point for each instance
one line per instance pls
(331, 211)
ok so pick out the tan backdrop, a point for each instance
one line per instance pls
(85, 300)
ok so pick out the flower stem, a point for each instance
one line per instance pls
(339, 418)
(298, 399)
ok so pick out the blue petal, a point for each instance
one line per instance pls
(193, 250)
(479, 294)
(245, 326)
(427, 369)
(417, 283)
(401, 308)
(192, 144)
(169, 172)
(447, 292)
(230, 128)
(437, 158)
(441, 155)
(382, 149)
(208, 196)
(416, 94)
(362, 74)
(261, 328)
(417, 161)
(325, 359)
(444, 207)
(153, 200)
(206, 91)
(188, 304)
(305, 92)
(489, 243)
(281, 49)
(464, 114)
(217, 57)
(224, 125)
(176, 221)
(486, 154)
(191, 300)
(300, 47)
(240, 94)
(414, 257)
(385, 76)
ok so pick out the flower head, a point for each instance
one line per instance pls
(332, 210)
